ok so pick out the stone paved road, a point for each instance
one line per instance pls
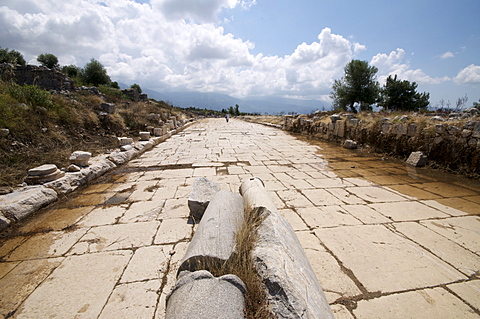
(407, 249)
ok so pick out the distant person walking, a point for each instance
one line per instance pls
(227, 116)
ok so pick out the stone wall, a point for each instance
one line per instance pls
(34, 75)
(448, 145)
(135, 96)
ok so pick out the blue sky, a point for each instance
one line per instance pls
(250, 48)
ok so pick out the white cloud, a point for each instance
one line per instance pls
(469, 75)
(447, 55)
(137, 43)
(394, 63)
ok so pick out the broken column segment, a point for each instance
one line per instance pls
(43, 174)
(80, 158)
(214, 241)
(201, 193)
(293, 290)
(417, 159)
(200, 295)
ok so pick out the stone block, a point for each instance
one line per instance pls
(386, 127)
(4, 221)
(349, 144)
(108, 108)
(214, 241)
(200, 295)
(21, 203)
(439, 128)
(43, 170)
(412, 130)
(125, 148)
(144, 136)
(125, 140)
(158, 131)
(335, 117)
(399, 129)
(417, 159)
(203, 190)
(339, 129)
(80, 158)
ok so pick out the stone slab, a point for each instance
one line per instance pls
(149, 262)
(327, 216)
(173, 230)
(78, 289)
(434, 303)
(132, 300)
(42, 170)
(468, 291)
(407, 211)
(375, 194)
(462, 230)
(384, 261)
(113, 237)
(463, 260)
(20, 282)
(366, 214)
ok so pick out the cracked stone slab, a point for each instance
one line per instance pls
(113, 237)
(327, 216)
(468, 291)
(407, 211)
(147, 263)
(173, 230)
(375, 194)
(434, 303)
(384, 261)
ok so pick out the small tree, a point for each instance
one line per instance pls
(136, 86)
(94, 73)
(12, 56)
(115, 85)
(237, 110)
(71, 70)
(359, 85)
(402, 95)
(49, 60)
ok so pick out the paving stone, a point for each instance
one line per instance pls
(383, 261)
(461, 204)
(102, 216)
(468, 291)
(321, 197)
(327, 216)
(55, 219)
(366, 214)
(78, 289)
(148, 263)
(446, 209)
(133, 300)
(7, 245)
(341, 312)
(462, 230)
(113, 237)
(413, 191)
(6, 267)
(406, 211)
(144, 211)
(345, 196)
(172, 231)
(19, 283)
(446, 190)
(428, 303)
(463, 260)
(293, 219)
(51, 244)
(294, 198)
(375, 194)
(175, 208)
(335, 283)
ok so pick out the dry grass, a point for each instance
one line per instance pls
(242, 265)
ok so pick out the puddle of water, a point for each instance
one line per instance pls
(394, 173)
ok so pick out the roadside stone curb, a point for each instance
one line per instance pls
(25, 201)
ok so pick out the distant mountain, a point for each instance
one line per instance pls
(217, 101)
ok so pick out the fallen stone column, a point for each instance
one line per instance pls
(200, 295)
(293, 290)
(214, 241)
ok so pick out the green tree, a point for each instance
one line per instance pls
(71, 70)
(477, 104)
(115, 85)
(11, 56)
(402, 96)
(237, 110)
(49, 60)
(231, 110)
(94, 73)
(359, 85)
(136, 86)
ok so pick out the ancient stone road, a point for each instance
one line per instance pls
(383, 243)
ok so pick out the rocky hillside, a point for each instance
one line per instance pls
(39, 126)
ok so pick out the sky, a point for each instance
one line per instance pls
(256, 48)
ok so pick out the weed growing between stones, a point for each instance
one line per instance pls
(241, 264)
